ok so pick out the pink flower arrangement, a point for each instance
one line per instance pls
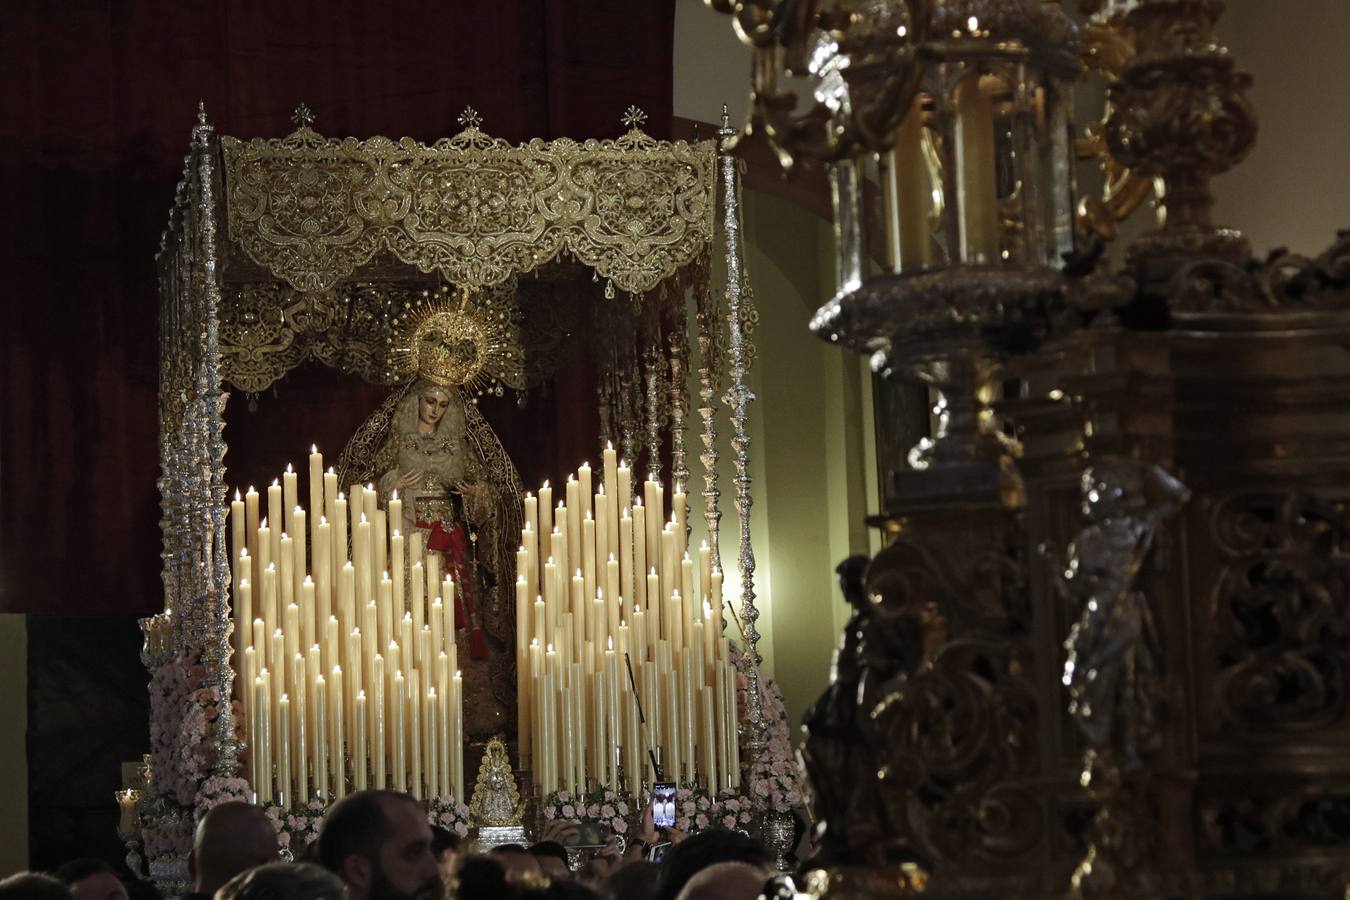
(448, 812)
(220, 789)
(774, 781)
(182, 713)
(604, 807)
(297, 827)
(696, 810)
(167, 837)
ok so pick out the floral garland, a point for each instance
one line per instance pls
(774, 781)
(220, 789)
(182, 713)
(450, 813)
(696, 809)
(603, 807)
(297, 827)
(167, 837)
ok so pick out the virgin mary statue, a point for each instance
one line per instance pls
(429, 443)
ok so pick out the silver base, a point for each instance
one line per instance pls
(490, 836)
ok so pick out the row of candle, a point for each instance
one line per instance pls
(340, 669)
(614, 667)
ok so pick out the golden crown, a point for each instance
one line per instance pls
(459, 338)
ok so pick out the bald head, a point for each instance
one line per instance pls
(231, 838)
(725, 881)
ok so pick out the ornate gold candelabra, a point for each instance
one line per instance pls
(1146, 696)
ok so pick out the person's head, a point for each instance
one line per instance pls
(521, 867)
(552, 858)
(284, 881)
(432, 402)
(691, 856)
(231, 838)
(445, 847)
(479, 878)
(725, 881)
(91, 879)
(635, 880)
(379, 843)
(33, 886)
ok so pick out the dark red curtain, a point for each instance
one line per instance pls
(97, 100)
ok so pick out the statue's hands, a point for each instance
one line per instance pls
(407, 479)
(477, 500)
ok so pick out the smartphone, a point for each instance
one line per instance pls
(663, 804)
(657, 852)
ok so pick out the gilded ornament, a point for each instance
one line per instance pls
(496, 801)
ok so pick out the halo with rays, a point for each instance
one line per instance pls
(458, 338)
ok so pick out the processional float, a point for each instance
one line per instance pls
(311, 639)
(1068, 671)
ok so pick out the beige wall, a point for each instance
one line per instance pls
(1294, 188)
(13, 744)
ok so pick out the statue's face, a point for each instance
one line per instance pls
(431, 406)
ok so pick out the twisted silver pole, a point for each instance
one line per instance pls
(211, 399)
(738, 397)
(679, 395)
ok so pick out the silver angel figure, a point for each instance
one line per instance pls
(1112, 648)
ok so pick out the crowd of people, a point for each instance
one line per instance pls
(377, 845)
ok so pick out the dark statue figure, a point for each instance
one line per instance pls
(843, 752)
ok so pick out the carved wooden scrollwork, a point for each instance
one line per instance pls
(1279, 605)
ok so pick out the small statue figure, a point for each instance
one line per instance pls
(1112, 648)
(841, 753)
(496, 801)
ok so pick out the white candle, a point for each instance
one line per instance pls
(546, 521)
(336, 728)
(238, 530)
(283, 754)
(708, 738)
(377, 737)
(588, 554)
(413, 727)
(626, 570)
(379, 537)
(613, 612)
(430, 734)
(654, 607)
(339, 521)
(397, 573)
(320, 737)
(395, 517)
(251, 530)
(680, 517)
(286, 571)
(359, 744)
(262, 753)
(301, 735)
(613, 501)
(298, 564)
(457, 734)
(574, 517)
(976, 193)
(361, 557)
(290, 486)
(330, 494)
(277, 516)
